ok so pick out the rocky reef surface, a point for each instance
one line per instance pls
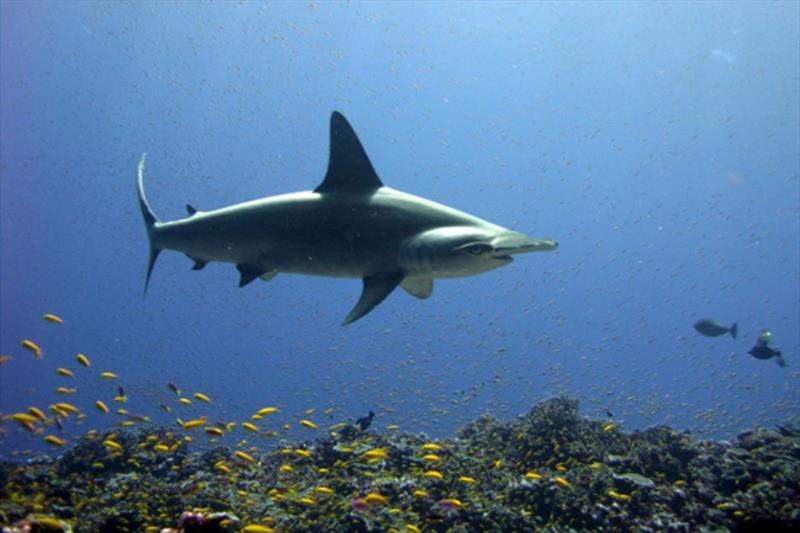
(548, 470)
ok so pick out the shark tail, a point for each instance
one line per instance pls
(734, 330)
(150, 221)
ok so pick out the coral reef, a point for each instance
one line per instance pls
(548, 470)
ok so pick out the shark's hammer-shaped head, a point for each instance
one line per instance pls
(455, 251)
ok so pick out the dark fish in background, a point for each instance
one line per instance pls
(715, 328)
(365, 421)
(763, 350)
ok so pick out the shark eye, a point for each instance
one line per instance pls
(478, 249)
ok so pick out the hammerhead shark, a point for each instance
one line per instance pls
(350, 226)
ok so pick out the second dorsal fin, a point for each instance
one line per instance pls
(349, 168)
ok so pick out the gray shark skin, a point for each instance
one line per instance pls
(350, 226)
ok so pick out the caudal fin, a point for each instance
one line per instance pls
(734, 330)
(150, 221)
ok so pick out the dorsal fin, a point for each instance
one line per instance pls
(349, 169)
(190, 209)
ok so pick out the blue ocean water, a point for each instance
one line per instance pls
(658, 143)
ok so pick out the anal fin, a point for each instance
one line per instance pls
(249, 273)
(268, 275)
(376, 289)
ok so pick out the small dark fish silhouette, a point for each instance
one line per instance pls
(714, 328)
(765, 352)
(365, 421)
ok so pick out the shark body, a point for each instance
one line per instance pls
(350, 226)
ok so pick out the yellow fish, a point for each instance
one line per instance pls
(202, 397)
(53, 318)
(55, 441)
(33, 347)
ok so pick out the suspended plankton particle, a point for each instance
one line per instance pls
(55, 441)
(560, 481)
(101, 406)
(202, 397)
(65, 372)
(250, 427)
(433, 474)
(241, 455)
(267, 411)
(82, 359)
(53, 318)
(431, 447)
(468, 480)
(33, 347)
(108, 375)
(308, 423)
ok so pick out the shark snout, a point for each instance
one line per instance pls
(512, 242)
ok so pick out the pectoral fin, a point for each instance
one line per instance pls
(419, 287)
(376, 289)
